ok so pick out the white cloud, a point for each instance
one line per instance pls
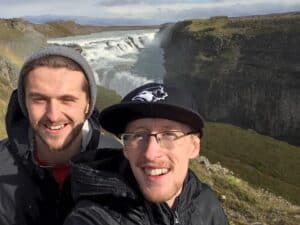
(157, 10)
(118, 2)
(227, 7)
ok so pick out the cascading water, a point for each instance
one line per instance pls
(121, 60)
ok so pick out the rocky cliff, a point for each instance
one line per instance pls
(244, 71)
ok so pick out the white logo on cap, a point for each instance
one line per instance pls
(151, 94)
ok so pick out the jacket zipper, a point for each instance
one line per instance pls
(176, 218)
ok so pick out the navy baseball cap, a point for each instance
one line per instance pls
(152, 100)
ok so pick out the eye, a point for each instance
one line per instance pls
(67, 100)
(133, 139)
(129, 137)
(138, 135)
(38, 100)
(170, 135)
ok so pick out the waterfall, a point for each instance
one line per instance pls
(121, 60)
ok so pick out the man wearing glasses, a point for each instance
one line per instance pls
(160, 131)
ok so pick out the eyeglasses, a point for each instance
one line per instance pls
(140, 139)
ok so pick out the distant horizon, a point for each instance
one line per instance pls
(42, 19)
(140, 12)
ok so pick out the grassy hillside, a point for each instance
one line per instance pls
(106, 97)
(65, 28)
(225, 27)
(5, 90)
(18, 39)
(261, 160)
(70, 28)
(243, 204)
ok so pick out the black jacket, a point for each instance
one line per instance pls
(29, 194)
(106, 194)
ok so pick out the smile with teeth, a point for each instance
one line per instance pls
(55, 127)
(156, 171)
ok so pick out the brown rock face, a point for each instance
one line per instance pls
(245, 72)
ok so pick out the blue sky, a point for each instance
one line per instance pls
(143, 11)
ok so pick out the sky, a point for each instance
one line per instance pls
(140, 11)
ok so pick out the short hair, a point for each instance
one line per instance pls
(54, 61)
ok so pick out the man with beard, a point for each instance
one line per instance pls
(150, 183)
(51, 117)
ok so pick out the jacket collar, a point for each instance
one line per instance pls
(104, 172)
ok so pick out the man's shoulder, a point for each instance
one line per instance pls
(4, 148)
(87, 212)
(203, 190)
(8, 162)
(3, 143)
(206, 203)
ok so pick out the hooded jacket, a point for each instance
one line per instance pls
(29, 194)
(106, 193)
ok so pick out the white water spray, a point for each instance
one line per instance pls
(121, 60)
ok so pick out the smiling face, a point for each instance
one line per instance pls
(57, 103)
(160, 172)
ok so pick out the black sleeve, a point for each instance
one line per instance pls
(89, 213)
(219, 217)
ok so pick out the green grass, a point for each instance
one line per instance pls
(65, 28)
(226, 27)
(106, 97)
(8, 32)
(11, 56)
(244, 204)
(208, 25)
(263, 161)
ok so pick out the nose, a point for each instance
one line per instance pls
(52, 110)
(152, 149)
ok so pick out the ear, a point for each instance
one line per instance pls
(195, 148)
(87, 108)
(125, 152)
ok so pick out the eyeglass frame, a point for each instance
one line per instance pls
(146, 137)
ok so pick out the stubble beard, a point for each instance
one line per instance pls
(152, 196)
(45, 140)
(173, 189)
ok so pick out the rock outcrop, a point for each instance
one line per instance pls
(8, 82)
(243, 71)
(8, 73)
